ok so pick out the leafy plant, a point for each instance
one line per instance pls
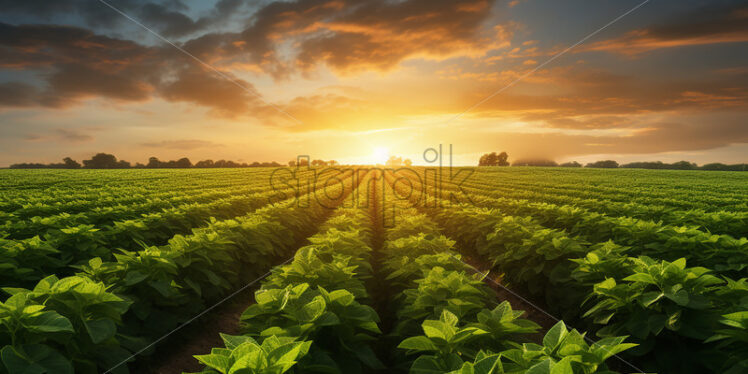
(445, 340)
(404, 270)
(441, 290)
(564, 351)
(72, 318)
(244, 355)
(308, 267)
(339, 326)
(658, 295)
(732, 348)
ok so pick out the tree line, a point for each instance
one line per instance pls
(109, 161)
(502, 159)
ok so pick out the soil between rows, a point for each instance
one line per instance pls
(175, 354)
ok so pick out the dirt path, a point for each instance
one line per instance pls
(518, 302)
(174, 355)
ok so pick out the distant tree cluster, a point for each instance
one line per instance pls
(305, 162)
(109, 161)
(680, 165)
(724, 167)
(604, 164)
(493, 159)
(659, 165)
(398, 161)
(572, 164)
(105, 161)
(67, 163)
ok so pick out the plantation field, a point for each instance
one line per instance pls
(363, 270)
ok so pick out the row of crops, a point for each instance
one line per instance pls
(84, 298)
(677, 290)
(370, 271)
(365, 298)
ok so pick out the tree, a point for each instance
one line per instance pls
(394, 161)
(184, 163)
(154, 162)
(204, 164)
(407, 162)
(318, 163)
(489, 159)
(608, 164)
(683, 165)
(104, 161)
(493, 159)
(292, 163)
(502, 159)
(70, 163)
(572, 164)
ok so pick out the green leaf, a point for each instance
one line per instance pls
(214, 361)
(233, 341)
(51, 322)
(680, 297)
(641, 277)
(426, 365)
(418, 343)
(555, 335)
(435, 329)
(543, 367)
(100, 330)
(35, 359)
(562, 367)
(649, 298)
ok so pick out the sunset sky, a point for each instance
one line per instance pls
(343, 79)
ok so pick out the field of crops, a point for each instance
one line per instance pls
(361, 270)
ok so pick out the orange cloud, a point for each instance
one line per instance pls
(712, 24)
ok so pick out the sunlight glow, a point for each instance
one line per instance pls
(380, 155)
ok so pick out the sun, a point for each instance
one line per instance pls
(380, 155)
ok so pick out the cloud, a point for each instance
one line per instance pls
(168, 17)
(77, 64)
(197, 85)
(61, 135)
(679, 135)
(579, 97)
(186, 144)
(17, 94)
(713, 24)
(354, 35)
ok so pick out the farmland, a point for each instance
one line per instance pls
(364, 270)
